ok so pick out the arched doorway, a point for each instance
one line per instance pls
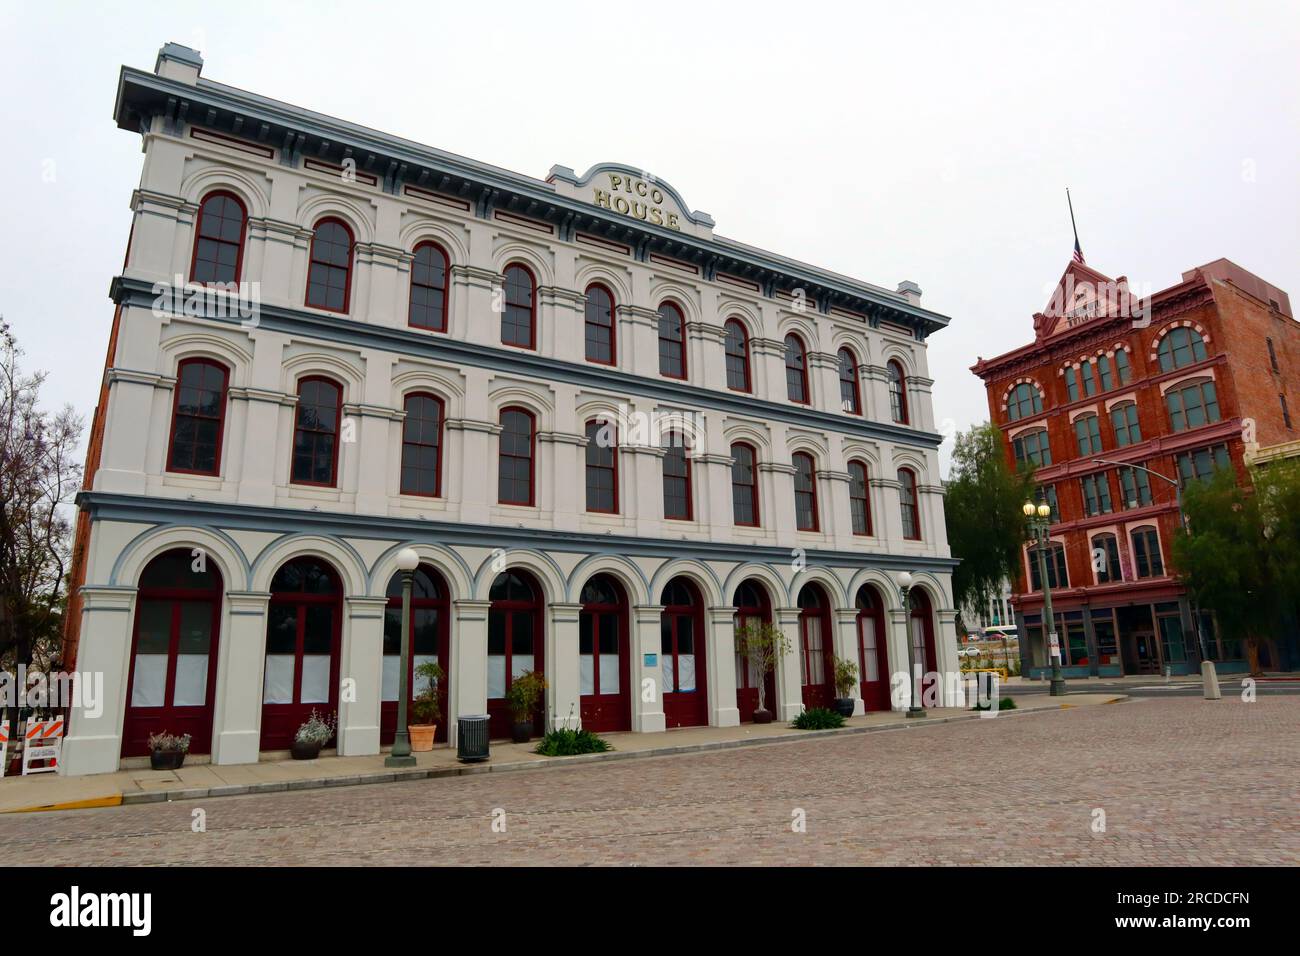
(515, 644)
(752, 607)
(603, 657)
(921, 630)
(816, 649)
(430, 641)
(173, 653)
(303, 634)
(682, 655)
(873, 657)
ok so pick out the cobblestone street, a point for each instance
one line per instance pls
(1181, 782)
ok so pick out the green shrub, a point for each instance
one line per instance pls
(818, 718)
(564, 742)
(1006, 703)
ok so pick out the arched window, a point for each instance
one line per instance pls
(1105, 558)
(678, 503)
(1182, 346)
(1023, 401)
(519, 315)
(672, 341)
(873, 656)
(1192, 405)
(604, 652)
(736, 347)
(1032, 448)
(911, 511)
(430, 639)
(429, 297)
(744, 485)
(1122, 366)
(681, 655)
(1087, 433)
(422, 446)
(850, 396)
(897, 392)
(515, 644)
(219, 239)
(796, 370)
(303, 638)
(859, 498)
(198, 417)
(173, 653)
(752, 609)
(805, 492)
(602, 467)
(316, 432)
(1146, 552)
(816, 648)
(600, 325)
(515, 459)
(329, 275)
(1124, 419)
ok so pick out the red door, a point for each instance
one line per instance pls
(430, 639)
(303, 634)
(752, 607)
(816, 651)
(515, 645)
(920, 630)
(603, 649)
(681, 656)
(873, 659)
(173, 654)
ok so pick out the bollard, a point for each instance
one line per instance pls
(1210, 681)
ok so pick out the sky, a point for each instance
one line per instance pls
(923, 141)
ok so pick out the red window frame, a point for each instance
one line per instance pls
(811, 491)
(612, 467)
(517, 267)
(588, 325)
(851, 380)
(312, 262)
(800, 370)
(532, 456)
(676, 443)
(684, 708)
(865, 497)
(909, 485)
(419, 602)
(198, 235)
(500, 718)
(751, 485)
(444, 288)
(297, 427)
(898, 410)
(220, 418)
(670, 311)
(437, 445)
(742, 355)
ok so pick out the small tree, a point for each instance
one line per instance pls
(1241, 556)
(425, 708)
(846, 676)
(763, 644)
(982, 502)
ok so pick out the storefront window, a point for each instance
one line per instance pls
(1171, 633)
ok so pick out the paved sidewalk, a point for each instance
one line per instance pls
(204, 780)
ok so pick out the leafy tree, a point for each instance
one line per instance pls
(763, 645)
(1241, 555)
(986, 528)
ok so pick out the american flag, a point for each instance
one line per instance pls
(1078, 252)
(1078, 249)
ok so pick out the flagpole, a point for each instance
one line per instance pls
(1078, 249)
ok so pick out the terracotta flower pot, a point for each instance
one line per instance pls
(167, 759)
(305, 749)
(762, 716)
(422, 736)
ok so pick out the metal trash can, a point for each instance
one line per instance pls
(472, 738)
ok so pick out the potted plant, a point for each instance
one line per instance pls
(523, 698)
(763, 645)
(314, 734)
(425, 712)
(167, 751)
(846, 678)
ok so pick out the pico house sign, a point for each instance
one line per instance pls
(633, 193)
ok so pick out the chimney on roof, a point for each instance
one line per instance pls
(177, 62)
(910, 291)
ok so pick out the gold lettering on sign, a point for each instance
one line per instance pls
(651, 211)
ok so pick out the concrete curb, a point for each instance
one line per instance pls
(553, 763)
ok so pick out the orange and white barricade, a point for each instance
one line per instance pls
(42, 745)
(4, 746)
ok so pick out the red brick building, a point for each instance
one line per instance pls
(1180, 381)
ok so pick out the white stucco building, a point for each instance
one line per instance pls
(607, 431)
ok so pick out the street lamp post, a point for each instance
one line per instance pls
(400, 756)
(1039, 517)
(914, 708)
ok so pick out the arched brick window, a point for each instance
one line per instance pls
(198, 417)
(219, 239)
(329, 275)
(1023, 401)
(1179, 347)
(428, 305)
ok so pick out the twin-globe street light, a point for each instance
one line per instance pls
(1039, 518)
(400, 756)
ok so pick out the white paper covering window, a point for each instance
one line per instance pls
(869, 653)
(685, 673)
(496, 676)
(609, 673)
(315, 679)
(586, 674)
(191, 680)
(150, 680)
(278, 688)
